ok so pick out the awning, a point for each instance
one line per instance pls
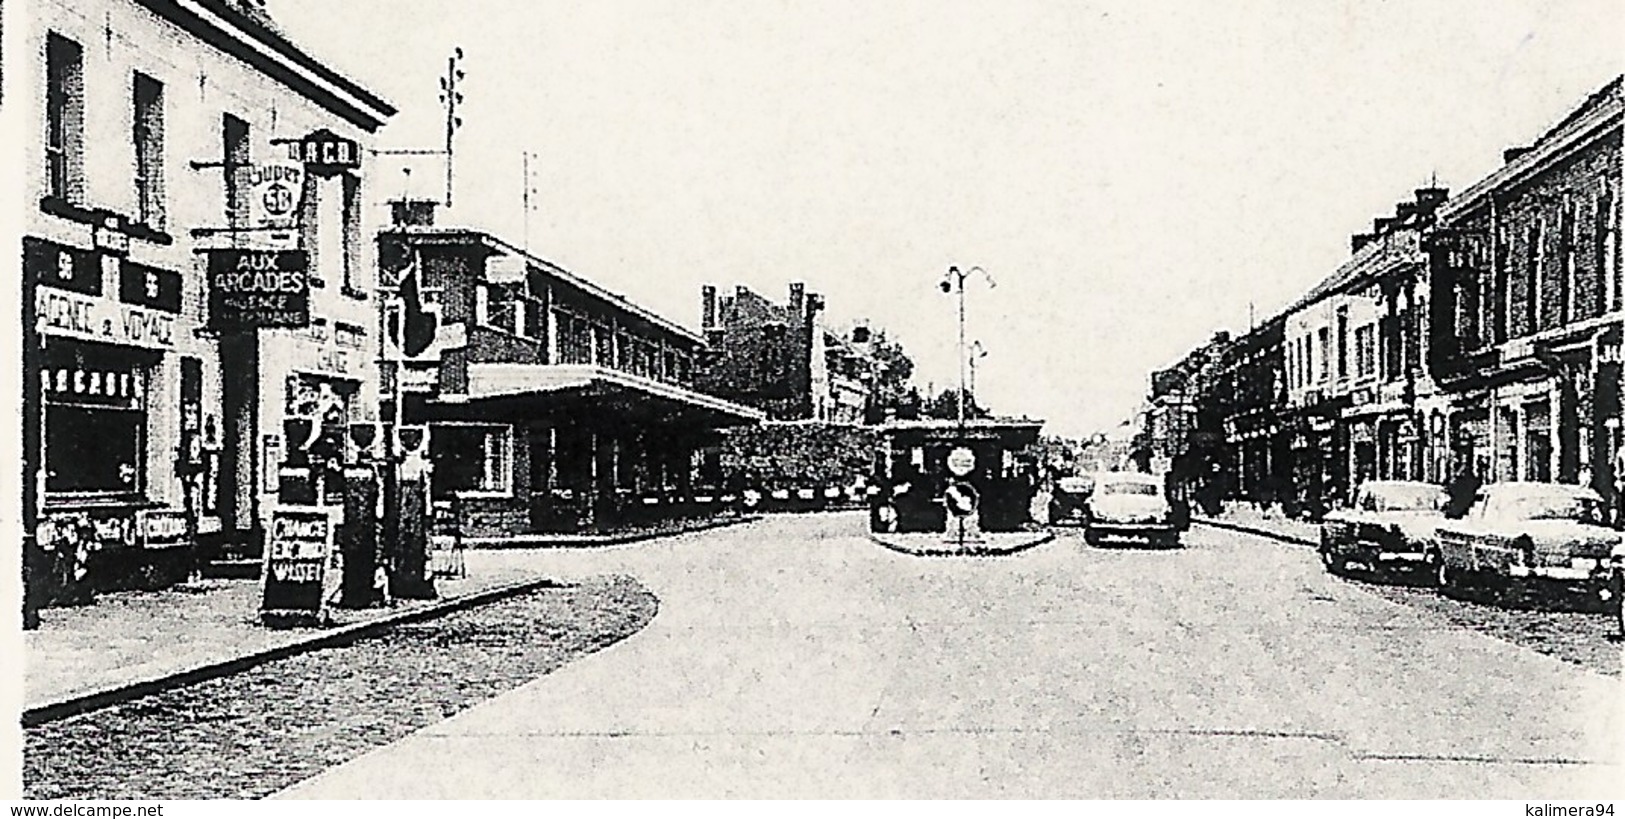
(537, 390)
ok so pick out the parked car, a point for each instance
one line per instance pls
(1131, 505)
(1069, 502)
(1616, 587)
(1543, 532)
(1388, 527)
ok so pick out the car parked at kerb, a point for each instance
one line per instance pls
(1550, 534)
(1388, 527)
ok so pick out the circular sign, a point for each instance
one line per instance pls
(961, 499)
(961, 461)
(277, 199)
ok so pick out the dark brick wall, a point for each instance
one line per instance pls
(1550, 218)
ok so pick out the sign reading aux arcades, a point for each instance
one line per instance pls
(254, 288)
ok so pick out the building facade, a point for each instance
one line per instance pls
(783, 359)
(1526, 307)
(552, 405)
(1353, 350)
(146, 427)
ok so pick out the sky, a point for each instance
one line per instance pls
(1134, 175)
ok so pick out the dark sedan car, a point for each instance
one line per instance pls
(1388, 527)
(1069, 503)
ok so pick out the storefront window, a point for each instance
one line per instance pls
(471, 458)
(95, 423)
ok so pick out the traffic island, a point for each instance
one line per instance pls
(939, 544)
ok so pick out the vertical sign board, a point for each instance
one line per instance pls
(296, 555)
(253, 288)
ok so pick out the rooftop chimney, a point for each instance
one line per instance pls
(1360, 240)
(1382, 224)
(708, 306)
(412, 212)
(1404, 210)
(1513, 153)
(798, 300)
(1429, 199)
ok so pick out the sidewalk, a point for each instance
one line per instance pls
(1251, 521)
(632, 534)
(937, 544)
(127, 642)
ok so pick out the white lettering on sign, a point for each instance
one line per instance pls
(98, 319)
(297, 572)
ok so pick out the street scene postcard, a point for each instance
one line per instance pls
(837, 400)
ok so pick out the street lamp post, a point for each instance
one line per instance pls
(954, 282)
(977, 352)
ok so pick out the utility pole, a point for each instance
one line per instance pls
(451, 97)
(526, 194)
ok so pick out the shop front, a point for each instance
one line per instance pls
(111, 419)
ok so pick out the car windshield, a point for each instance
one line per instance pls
(1393, 498)
(1132, 488)
(1553, 507)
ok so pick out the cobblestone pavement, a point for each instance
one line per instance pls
(254, 733)
(129, 636)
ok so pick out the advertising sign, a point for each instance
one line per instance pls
(252, 288)
(161, 528)
(275, 193)
(298, 544)
(961, 461)
(324, 152)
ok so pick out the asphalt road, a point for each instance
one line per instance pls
(795, 658)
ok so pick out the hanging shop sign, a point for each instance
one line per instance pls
(65, 313)
(324, 152)
(961, 461)
(254, 288)
(275, 193)
(296, 554)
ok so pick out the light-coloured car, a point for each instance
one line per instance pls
(1388, 526)
(1548, 532)
(1131, 505)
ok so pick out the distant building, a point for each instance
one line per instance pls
(782, 358)
(1174, 424)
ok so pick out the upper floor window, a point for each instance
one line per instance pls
(1537, 272)
(1608, 248)
(64, 118)
(1323, 343)
(235, 155)
(147, 132)
(352, 236)
(1342, 343)
(1365, 364)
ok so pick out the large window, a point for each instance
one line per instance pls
(95, 424)
(64, 118)
(148, 135)
(1365, 351)
(471, 458)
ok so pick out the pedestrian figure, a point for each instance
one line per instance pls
(380, 586)
(1618, 500)
(1462, 489)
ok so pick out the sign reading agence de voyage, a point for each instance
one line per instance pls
(254, 288)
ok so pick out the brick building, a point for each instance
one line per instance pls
(1526, 306)
(782, 358)
(146, 428)
(553, 405)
